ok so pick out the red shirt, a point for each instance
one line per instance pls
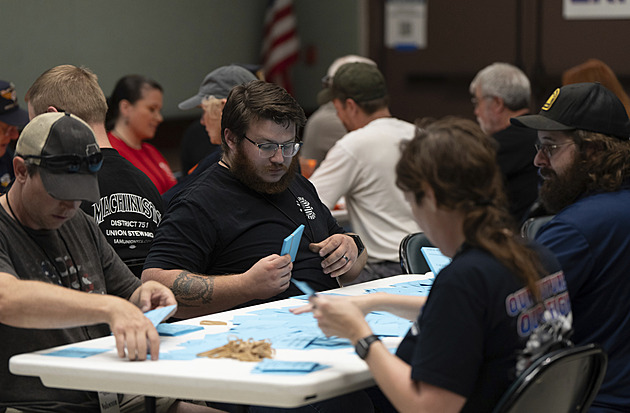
(149, 160)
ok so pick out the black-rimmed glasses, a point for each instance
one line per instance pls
(549, 148)
(267, 150)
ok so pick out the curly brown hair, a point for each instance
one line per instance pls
(606, 159)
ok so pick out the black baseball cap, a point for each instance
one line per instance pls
(65, 150)
(585, 106)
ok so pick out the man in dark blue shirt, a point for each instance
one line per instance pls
(583, 148)
(12, 118)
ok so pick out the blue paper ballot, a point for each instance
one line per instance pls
(172, 330)
(292, 242)
(303, 286)
(435, 259)
(77, 352)
(160, 314)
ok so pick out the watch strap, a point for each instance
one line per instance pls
(358, 242)
(363, 345)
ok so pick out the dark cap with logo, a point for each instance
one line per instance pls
(10, 111)
(219, 83)
(585, 106)
(65, 150)
(358, 81)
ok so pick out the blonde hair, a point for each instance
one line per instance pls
(69, 89)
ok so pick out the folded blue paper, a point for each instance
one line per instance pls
(77, 352)
(176, 329)
(268, 366)
(160, 314)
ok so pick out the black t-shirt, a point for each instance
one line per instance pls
(515, 157)
(129, 210)
(477, 317)
(218, 226)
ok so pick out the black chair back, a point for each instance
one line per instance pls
(411, 259)
(565, 380)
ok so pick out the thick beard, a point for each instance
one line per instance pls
(560, 191)
(245, 172)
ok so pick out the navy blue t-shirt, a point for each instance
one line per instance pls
(591, 239)
(217, 225)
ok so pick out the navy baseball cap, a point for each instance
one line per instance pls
(10, 111)
(585, 106)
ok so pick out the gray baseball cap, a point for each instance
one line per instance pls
(218, 83)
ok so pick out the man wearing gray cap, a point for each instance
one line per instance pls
(60, 282)
(361, 167)
(211, 98)
(12, 118)
(583, 151)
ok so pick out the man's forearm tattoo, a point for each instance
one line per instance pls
(193, 289)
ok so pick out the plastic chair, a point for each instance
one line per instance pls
(532, 225)
(411, 259)
(565, 380)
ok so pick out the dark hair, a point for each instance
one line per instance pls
(258, 100)
(129, 88)
(458, 161)
(607, 159)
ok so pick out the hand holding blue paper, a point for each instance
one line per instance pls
(292, 242)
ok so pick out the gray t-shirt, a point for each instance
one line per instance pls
(75, 256)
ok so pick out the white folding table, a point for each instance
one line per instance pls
(219, 380)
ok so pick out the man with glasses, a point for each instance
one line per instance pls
(361, 167)
(583, 152)
(499, 92)
(12, 118)
(220, 241)
(60, 282)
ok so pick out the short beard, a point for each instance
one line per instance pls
(560, 191)
(245, 172)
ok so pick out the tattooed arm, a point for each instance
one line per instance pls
(199, 294)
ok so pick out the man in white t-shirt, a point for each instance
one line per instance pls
(361, 167)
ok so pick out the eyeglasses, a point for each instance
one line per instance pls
(267, 150)
(548, 148)
(69, 163)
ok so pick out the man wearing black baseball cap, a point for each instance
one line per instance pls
(583, 153)
(60, 281)
(12, 119)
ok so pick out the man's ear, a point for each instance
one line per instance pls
(19, 168)
(52, 109)
(231, 139)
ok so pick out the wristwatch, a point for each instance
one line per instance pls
(357, 240)
(363, 345)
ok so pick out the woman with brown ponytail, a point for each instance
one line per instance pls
(461, 352)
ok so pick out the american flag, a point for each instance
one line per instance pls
(280, 43)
